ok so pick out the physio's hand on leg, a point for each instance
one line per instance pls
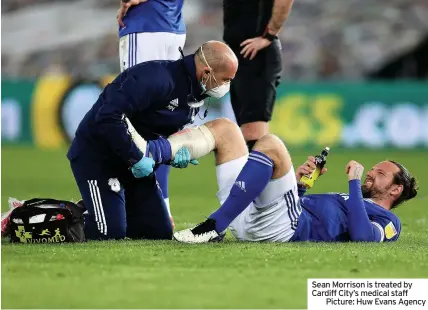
(143, 168)
(182, 158)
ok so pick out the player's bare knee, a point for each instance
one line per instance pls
(221, 127)
(229, 141)
(274, 148)
(224, 130)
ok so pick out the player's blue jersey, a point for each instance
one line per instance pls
(324, 218)
(154, 16)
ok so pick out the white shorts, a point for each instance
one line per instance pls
(273, 216)
(135, 48)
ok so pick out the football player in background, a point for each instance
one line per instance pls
(151, 30)
(262, 200)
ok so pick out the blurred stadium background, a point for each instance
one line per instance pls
(346, 40)
(335, 53)
(355, 78)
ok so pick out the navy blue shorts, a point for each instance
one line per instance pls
(120, 205)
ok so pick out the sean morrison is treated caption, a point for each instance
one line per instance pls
(388, 294)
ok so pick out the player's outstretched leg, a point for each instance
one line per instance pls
(220, 135)
(268, 160)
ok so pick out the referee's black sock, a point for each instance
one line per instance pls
(250, 144)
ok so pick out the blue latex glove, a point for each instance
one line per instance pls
(182, 159)
(143, 168)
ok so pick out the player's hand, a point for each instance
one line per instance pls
(307, 168)
(252, 46)
(143, 168)
(182, 158)
(354, 170)
(124, 7)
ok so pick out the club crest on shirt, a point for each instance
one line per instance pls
(114, 185)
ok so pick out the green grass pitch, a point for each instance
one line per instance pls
(140, 274)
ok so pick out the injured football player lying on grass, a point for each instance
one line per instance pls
(262, 200)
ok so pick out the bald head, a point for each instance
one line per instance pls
(218, 56)
(216, 64)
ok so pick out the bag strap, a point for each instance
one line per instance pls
(38, 201)
(27, 212)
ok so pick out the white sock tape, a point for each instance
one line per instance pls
(200, 141)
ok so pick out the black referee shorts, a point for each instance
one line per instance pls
(253, 90)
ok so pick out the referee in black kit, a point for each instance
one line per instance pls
(251, 29)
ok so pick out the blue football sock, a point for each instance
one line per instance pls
(162, 173)
(159, 150)
(249, 184)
